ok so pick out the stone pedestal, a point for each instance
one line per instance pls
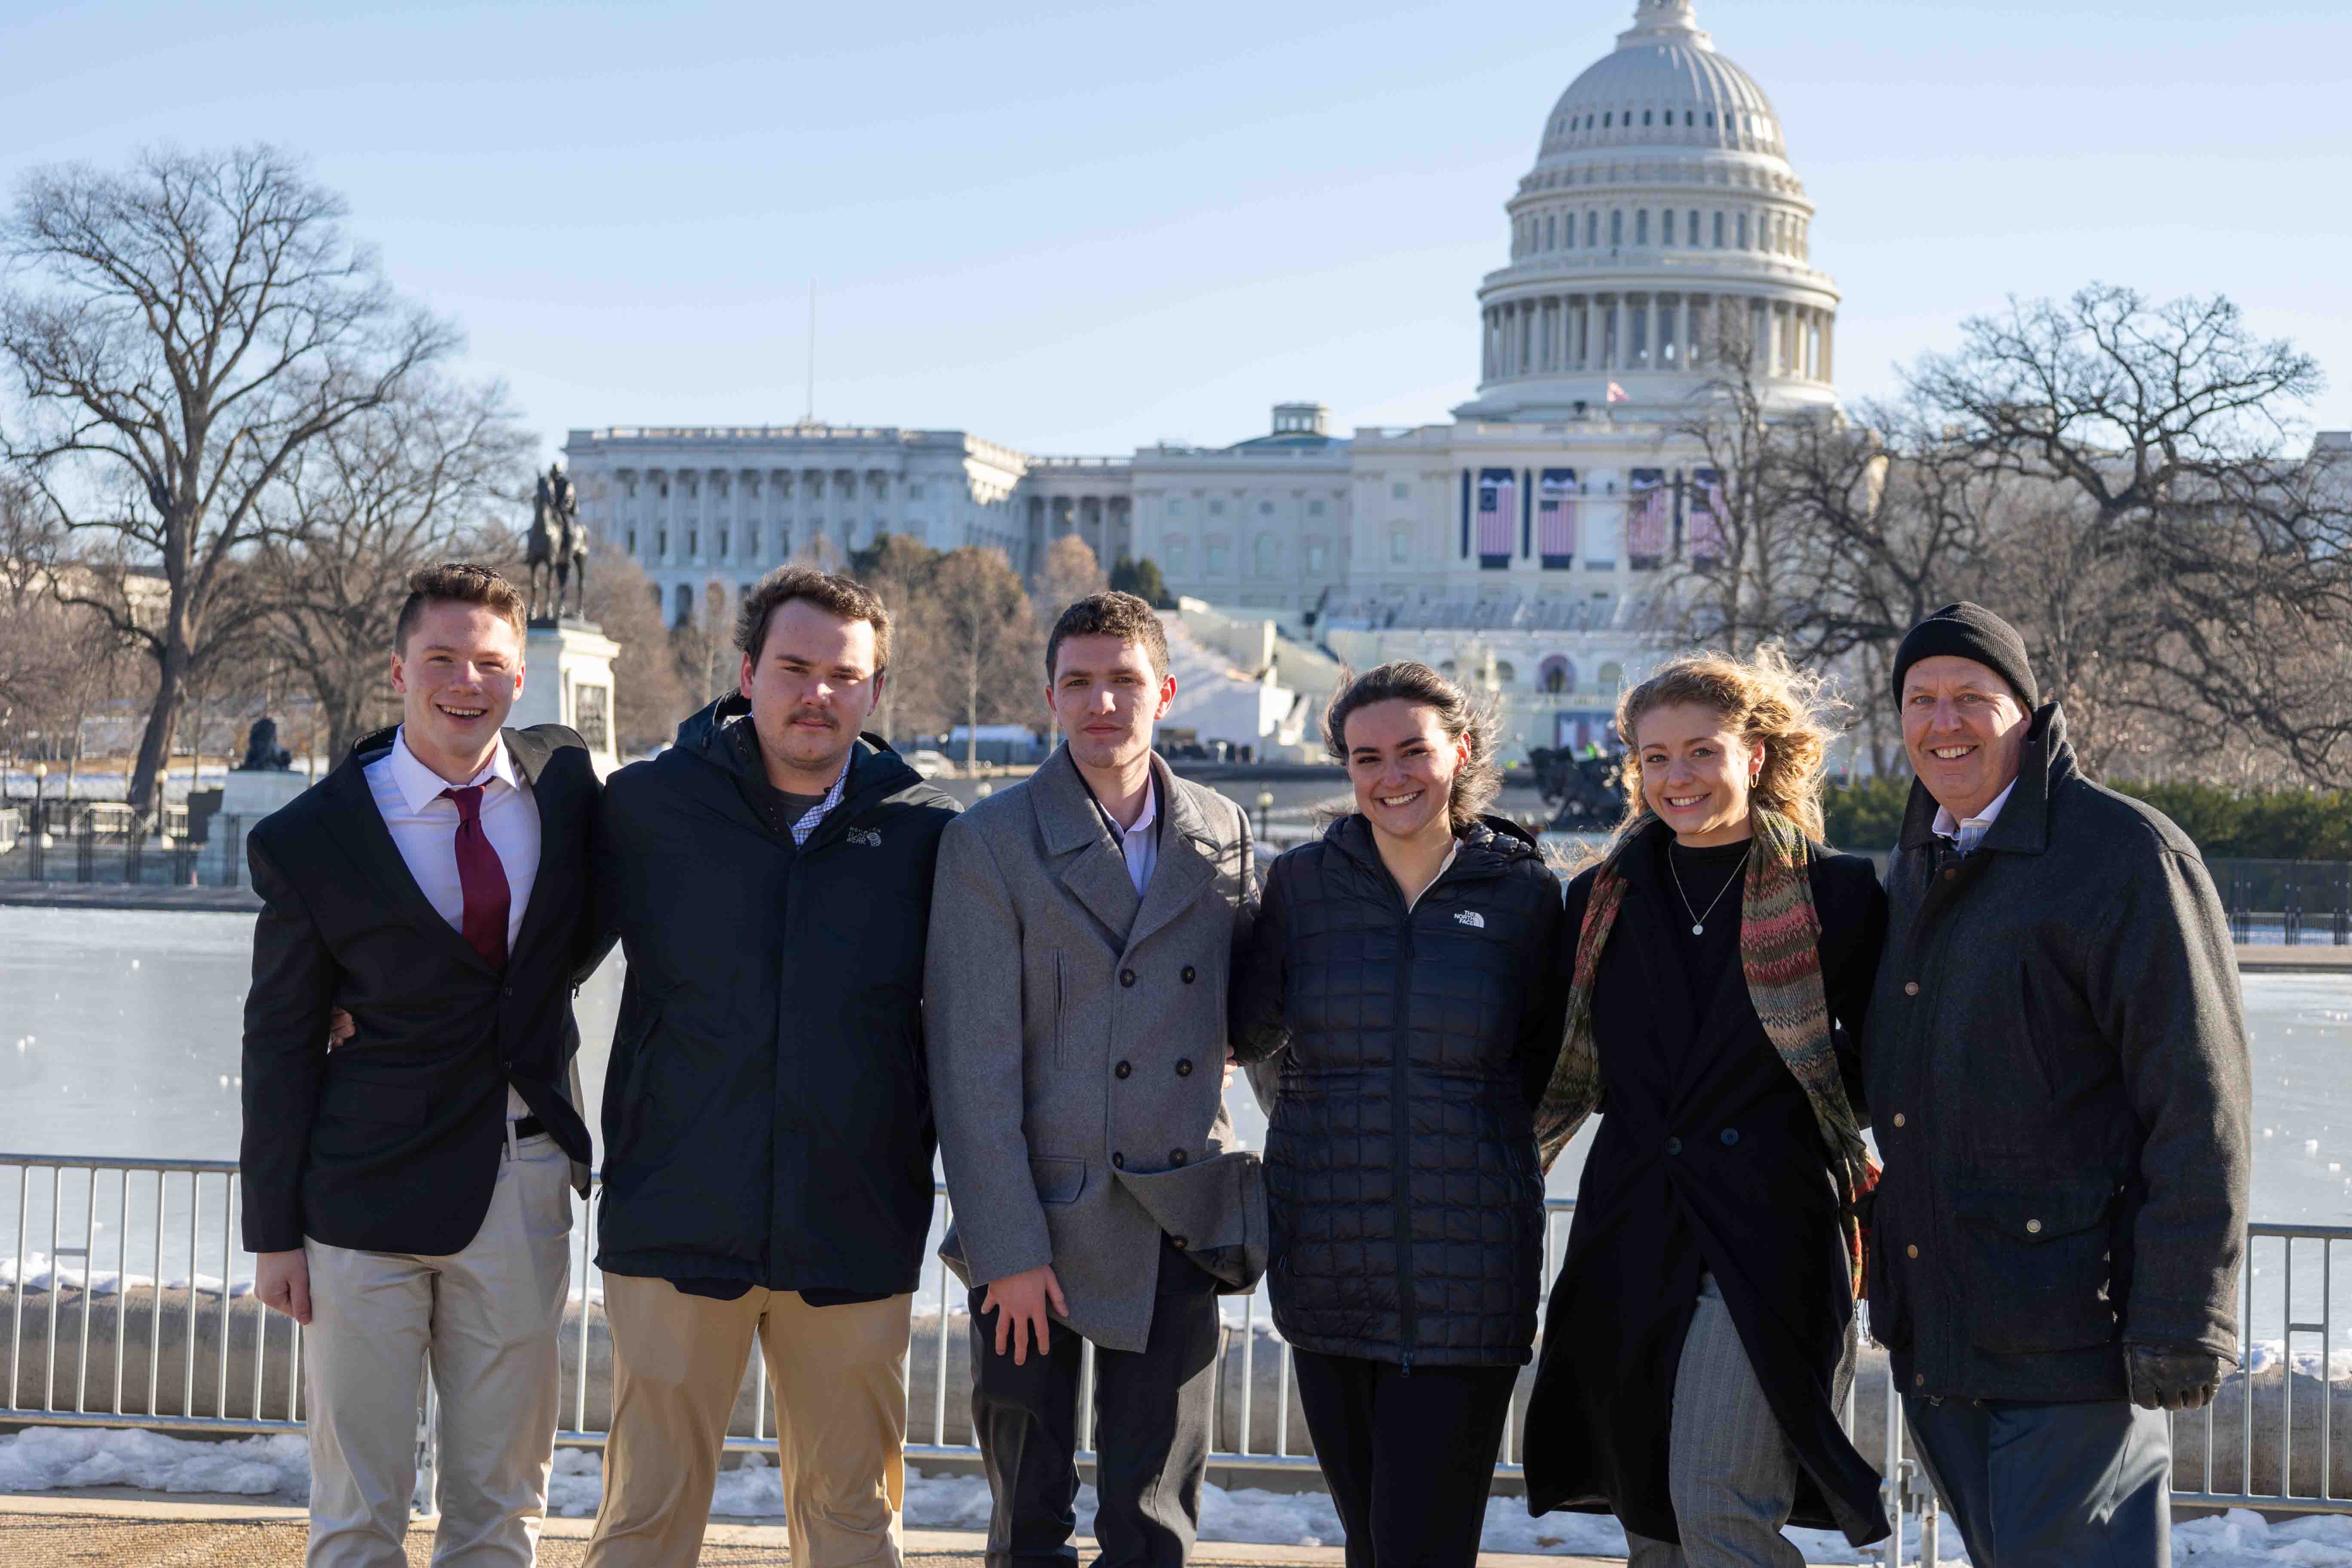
(568, 680)
(250, 794)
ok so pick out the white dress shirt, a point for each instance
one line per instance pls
(1969, 831)
(422, 822)
(1140, 843)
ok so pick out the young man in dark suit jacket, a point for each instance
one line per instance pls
(405, 1189)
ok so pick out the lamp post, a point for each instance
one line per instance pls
(40, 813)
(1265, 813)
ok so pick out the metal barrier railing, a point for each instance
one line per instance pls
(157, 1341)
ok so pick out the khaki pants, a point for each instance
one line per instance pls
(487, 1319)
(839, 1381)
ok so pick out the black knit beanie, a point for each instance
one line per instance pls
(1970, 631)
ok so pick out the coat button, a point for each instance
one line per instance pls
(1126, 977)
(1918, 1380)
(2033, 1227)
(1175, 1156)
(1118, 1162)
(1911, 1251)
(1951, 873)
(1188, 974)
(1184, 1067)
(1123, 1070)
(1178, 1242)
(1898, 1118)
(1673, 1145)
(1910, 988)
(508, 992)
(1730, 1136)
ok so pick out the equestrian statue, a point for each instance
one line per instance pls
(558, 549)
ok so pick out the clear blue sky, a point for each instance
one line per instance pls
(1076, 228)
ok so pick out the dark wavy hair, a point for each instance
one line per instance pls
(1478, 780)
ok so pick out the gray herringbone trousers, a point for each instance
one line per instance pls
(1732, 1474)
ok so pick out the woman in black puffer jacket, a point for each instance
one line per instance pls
(1402, 967)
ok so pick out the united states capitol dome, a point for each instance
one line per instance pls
(1662, 213)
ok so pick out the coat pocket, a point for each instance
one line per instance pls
(1058, 1182)
(1061, 1006)
(2041, 1267)
(1216, 1210)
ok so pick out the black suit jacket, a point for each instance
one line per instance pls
(391, 1144)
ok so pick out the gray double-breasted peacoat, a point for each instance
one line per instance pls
(1077, 1044)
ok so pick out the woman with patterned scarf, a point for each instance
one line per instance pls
(1699, 1341)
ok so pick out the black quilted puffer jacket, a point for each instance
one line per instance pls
(1402, 1178)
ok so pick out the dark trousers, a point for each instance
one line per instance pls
(2050, 1486)
(1153, 1411)
(1409, 1457)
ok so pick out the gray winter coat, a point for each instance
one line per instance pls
(2056, 1062)
(1077, 1047)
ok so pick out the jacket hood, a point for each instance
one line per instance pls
(878, 774)
(2043, 767)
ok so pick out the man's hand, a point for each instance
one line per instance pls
(1019, 1301)
(340, 1027)
(2171, 1377)
(282, 1280)
(1229, 1071)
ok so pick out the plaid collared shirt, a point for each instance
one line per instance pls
(814, 818)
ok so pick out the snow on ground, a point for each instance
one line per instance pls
(47, 1459)
(43, 1274)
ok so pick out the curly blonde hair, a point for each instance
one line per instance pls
(1767, 701)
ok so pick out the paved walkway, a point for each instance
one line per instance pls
(121, 1531)
(127, 896)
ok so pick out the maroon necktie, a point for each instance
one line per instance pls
(482, 876)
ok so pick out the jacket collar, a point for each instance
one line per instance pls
(2045, 766)
(1092, 865)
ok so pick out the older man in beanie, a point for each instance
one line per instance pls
(2056, 1062)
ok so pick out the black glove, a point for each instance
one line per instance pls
(2171, 1377)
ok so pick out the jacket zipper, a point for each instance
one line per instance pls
(1399, 1137)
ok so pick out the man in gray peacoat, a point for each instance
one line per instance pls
(1083, 925)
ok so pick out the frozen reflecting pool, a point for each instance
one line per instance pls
(119, 1036)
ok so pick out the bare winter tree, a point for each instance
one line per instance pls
(177, 333)
(2166, 429)
(703, 647)
(983, 641)
(899, 569)
(1070, 573)
(424, 477)
(648, 699)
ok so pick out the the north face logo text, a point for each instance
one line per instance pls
(1471, 918)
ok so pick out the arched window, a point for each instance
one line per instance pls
(1642, 226)
(1616, 227)
(1688, 119)
(722, 544)
(661, 543)
(693, 541)
(1645, 117)
(1743, 231)
(1551, 232)
(1505, 671)
(1446, 670)
(1612, 676)
(684, 599)
(1666, 229)
(1556, 674)
(656, 589)
(1592, 229)
(632, 541)
(1718, 231)
(1710, 120)
(1264, 551)
(1693, 230)
(1606, 119)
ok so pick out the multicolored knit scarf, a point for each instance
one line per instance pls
(1780, 952)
